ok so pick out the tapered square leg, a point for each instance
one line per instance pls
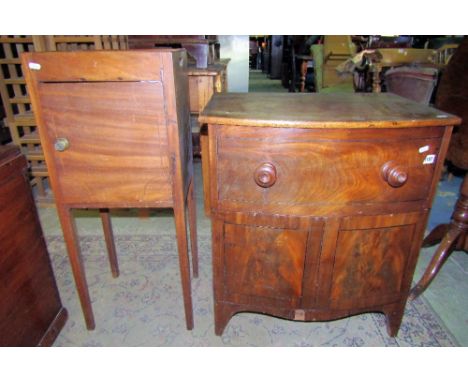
(184, 263)
(71, 240)
(109, 237)
(192, 212)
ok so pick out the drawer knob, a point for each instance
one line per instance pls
(265, 175)
(393, 174)
(61, 144)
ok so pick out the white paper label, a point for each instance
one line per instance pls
(34, 66)
(429, 159)
(424, 149)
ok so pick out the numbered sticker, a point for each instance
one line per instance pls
(34, 66)
(424, 149)
(429, 159)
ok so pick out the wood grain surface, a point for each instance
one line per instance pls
(118, 141)
(97, 66)
(321, 171)
(357, 110)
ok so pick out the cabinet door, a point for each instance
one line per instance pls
(117, 141)
(374, 259)
(263, 266)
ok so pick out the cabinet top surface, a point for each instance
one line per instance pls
(306, 110)
(211, 70)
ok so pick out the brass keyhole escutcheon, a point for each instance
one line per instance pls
(61, 144)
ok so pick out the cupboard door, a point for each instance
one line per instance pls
(117, 151)
(264, 265)
(372, 258)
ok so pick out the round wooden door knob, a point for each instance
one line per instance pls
(265, 175)
(393, 174)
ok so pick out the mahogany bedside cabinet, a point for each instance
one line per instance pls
(115, 131)
(319, 202)
(31, 312)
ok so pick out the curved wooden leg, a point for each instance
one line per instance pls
(69, 233)
(435, 236)
(192, 212)
(184, 263)
(109, 237)
(454, 238)
(442, 253)
(462, 242)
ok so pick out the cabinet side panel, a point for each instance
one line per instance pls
(176, 93)
(28, 294)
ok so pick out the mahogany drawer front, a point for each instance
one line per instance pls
(115, 153)
(318, 172)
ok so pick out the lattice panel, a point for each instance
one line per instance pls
(89, 42)
(18, 110)
(113, 42)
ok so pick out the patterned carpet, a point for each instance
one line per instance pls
(143, 307)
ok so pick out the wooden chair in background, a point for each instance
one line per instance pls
(115, 131)
(416, 83)
(336, 50)
(452, 237)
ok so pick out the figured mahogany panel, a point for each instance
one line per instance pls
(307, 171)
(371, 259)
(264, 264)
(117, 149)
